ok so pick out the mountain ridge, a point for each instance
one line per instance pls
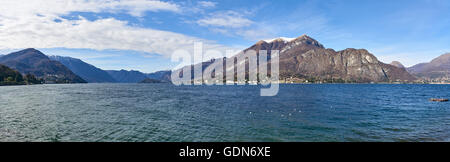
(397, 64)
(32, 61)
(437, 69)
(304, 59)
(127, 76)
(88, 72)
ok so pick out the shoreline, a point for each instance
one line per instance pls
(246, 84)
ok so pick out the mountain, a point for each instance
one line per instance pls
(133, 76)
(148, 80)
(163, 76)
(9, 76)
(32, 61)
(304, 59)
(397, 64)
(86, 71)
(438, 68)
(124, 76)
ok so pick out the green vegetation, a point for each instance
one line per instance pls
(11, 77)
(31, 79)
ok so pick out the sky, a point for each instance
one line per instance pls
(143, 34)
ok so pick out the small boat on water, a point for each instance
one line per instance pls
(439, 99)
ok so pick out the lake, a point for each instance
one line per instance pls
(164, 112)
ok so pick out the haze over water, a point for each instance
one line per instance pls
(164, 112)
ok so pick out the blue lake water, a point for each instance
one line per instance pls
(164, 112)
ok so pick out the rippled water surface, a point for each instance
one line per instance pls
(164, 112)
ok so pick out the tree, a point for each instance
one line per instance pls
(31, 79)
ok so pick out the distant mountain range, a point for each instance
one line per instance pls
(437, 69)
(93, 74)
(125, 76)
(163, 76)
(302, 59)
(58, 69)
(32, 61)
(86, 71)
(133, 76)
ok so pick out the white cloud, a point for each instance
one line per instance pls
(43, 32)
(59, 7)
(207, 4)
(229, 19)
(30, 24)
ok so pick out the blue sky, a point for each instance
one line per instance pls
(141, 34)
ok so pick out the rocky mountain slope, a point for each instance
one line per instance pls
(304, 59)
